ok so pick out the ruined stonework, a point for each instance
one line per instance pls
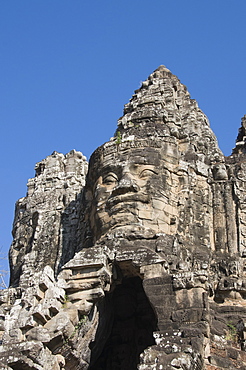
(140, 264)
(45, 228)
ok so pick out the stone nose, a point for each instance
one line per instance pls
(125, 185)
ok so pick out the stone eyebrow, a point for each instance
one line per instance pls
(107, 169)
(143, 162)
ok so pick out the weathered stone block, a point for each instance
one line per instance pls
(38, 334)
(144, 266)
(89, 295)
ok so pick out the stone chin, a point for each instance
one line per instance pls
(123, 223)
(126, 215)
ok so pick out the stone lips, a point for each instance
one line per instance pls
(141, 264)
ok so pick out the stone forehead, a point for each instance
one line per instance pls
(146, 155)
(132, 146)
(137, 151)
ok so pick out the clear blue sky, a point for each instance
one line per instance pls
(68, 67)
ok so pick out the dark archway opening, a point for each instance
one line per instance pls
(128, 329)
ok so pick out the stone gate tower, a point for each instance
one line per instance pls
(139, 262)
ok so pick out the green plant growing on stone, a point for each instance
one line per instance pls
(118, 138)
(65, 300)
(232, 333)
(81, 322)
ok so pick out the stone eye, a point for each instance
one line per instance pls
(146, 173)
(110, 179)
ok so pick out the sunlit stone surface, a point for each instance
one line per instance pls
(139, 265)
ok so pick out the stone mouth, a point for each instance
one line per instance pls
(131, 231)
(127, 198)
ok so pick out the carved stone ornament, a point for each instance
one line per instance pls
(136, 261)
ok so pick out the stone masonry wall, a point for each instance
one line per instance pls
(139, 263)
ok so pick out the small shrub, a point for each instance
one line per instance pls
(65, 301)
(81, 322)
(118, 139)
(232, 333)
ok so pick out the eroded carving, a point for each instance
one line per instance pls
(145, 266)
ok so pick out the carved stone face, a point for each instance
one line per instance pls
(130, 194)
